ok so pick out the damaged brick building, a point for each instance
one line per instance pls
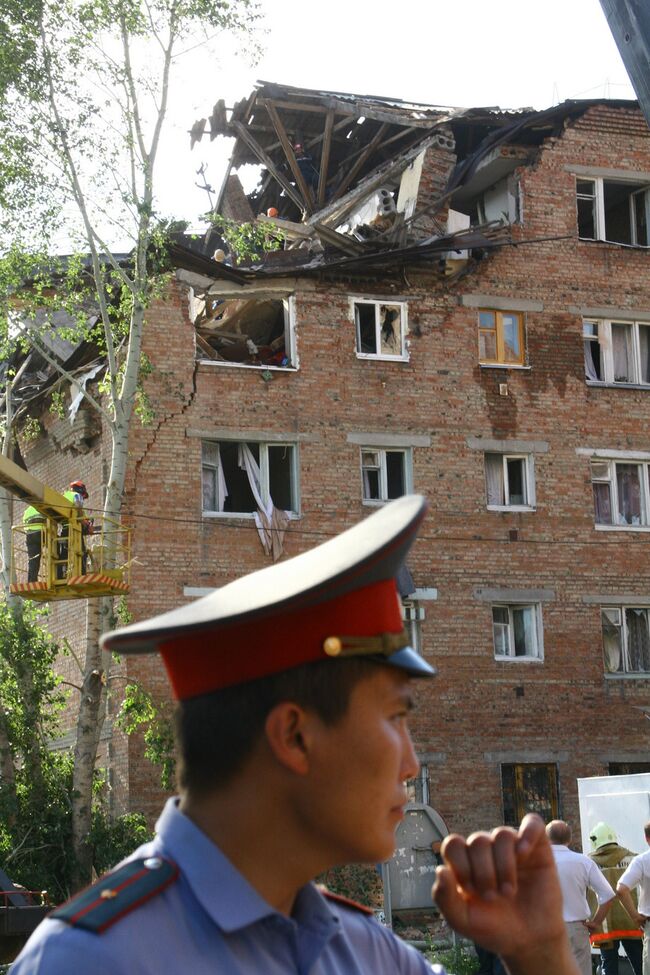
(461, 308)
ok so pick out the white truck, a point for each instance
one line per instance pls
(623, 802)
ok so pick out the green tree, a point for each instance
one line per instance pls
(36, 793)
(84, 90)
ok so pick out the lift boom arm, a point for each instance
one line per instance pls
(28, 488)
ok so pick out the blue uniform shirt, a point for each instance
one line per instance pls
(212, 922)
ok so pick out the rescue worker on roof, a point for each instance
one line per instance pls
(33, 522)
(294, 687)
(76, 494)
(613, 860)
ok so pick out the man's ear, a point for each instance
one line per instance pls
(288, 729)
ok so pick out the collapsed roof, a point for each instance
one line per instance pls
(341, 175)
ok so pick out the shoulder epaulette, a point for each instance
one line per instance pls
(117, 893)
(346, 901)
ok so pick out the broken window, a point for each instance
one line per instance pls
(508, 479)
(501, 338)
(617, 352)
(515, 630)
(613, 210)
(247, 331)
(620, 493)
(385, 474)
(528, 787)
(232, 475)
(380, 329)
(626, 640)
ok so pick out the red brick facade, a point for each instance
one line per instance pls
(480, 713)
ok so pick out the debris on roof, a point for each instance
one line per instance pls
(351, 179)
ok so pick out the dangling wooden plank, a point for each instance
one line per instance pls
(325, 156)
(264, 158)
(356, 169)
(291, 156)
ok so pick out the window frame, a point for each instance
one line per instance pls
(498, 330)
(511, 607)
(622, 611)
(407, 454)
(518, 789)
(289, 303)
(529, 480)
(612, 481)
(604, 340)
(263, 446)
(599, 215)
(378, 303)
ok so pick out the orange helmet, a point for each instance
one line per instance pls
(79, 487)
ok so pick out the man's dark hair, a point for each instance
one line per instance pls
(216, 732)
(646, 830)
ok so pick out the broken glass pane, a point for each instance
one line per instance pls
(395, 481)
(523, 626)
(240, 498)
(390, 328)
(364, 315)
(281, 476)
(516, 480)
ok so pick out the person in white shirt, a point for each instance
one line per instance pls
(577, 873)
(638, 875)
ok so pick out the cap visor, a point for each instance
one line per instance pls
(411, 662)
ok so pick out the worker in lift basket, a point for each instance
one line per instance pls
(76, 495)
(294, 688)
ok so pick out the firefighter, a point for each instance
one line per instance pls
(613, 860)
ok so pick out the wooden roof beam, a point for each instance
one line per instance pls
(291, 156)
(325, 156)
(356, 169)
(264, 158)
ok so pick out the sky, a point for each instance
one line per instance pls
(505, 53)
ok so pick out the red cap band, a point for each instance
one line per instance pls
(210, 659)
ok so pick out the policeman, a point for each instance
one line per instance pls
(294, 689)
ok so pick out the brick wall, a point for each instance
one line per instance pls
(479, 712)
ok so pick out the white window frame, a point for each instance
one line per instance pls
(529, 480)
(512, 607)
(383, 472)
(598, 196)
(289, 340)
(263, 446)
(402, 356)
(604, 339)
(412, 616)
(626, 672)
(611, 479)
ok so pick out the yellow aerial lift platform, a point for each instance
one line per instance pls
(80, 562)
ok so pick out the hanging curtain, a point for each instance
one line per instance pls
(638, 640)
(270, 521)
(644, 347)
(590, 367)
(620, 353)
(629, 494)
(611, 643)
(494, 479)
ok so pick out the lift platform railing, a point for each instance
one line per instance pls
(74, 561)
